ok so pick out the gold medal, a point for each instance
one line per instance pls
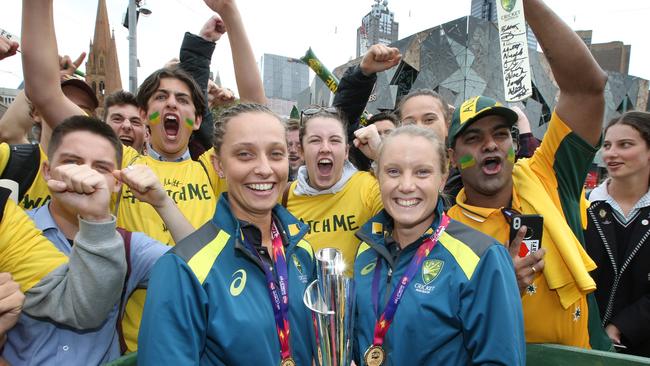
(374, 356)
(288, 362)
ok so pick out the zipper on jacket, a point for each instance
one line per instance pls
(390, 277)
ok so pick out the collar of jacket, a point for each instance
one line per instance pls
(380, 226)
(291, 229)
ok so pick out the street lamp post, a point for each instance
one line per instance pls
(133, 46)
(135, 8)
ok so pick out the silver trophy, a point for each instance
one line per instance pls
(331, 299)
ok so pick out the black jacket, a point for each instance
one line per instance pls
(351, 98)
(622, 279)
(195, 57)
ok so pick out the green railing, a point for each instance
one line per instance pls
(130, 359)
(536, 355)
(556, 355)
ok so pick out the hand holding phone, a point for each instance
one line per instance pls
(526, 268)
(532, 240)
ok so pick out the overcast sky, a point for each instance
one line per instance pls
(289, 27)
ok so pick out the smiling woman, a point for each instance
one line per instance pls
(248, 266)
(617, 234)
(253, 159)
(463, 287)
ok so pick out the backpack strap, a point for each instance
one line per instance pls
(126, 236)
(23, 166)
(205, 169)
(4, 196)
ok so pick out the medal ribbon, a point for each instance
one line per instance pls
(384, 322)
(279, 293)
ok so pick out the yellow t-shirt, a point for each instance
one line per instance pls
(559, 163)
(24, 251)
(194, 187)
(333, 219)
(37, 194)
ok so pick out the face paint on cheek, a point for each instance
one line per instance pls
(511, 155)
(467, 161)
(154, 118)
(189, 123)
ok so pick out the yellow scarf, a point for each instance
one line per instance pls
(567, 265)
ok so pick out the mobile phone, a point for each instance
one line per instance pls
(534, 230)
(619, 346)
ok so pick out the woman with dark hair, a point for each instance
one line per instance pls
(329, 194)
(618, 231)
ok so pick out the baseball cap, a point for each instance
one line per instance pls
(72, 80)
(474, 109)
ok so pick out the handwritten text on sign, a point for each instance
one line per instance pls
(514, 50)
(6, 34)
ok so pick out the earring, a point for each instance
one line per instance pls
(221, 175)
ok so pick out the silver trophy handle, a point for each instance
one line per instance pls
(314, 300)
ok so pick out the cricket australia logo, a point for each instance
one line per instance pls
(301, 274)
(508, 5)
(431, 268)
(296, 262)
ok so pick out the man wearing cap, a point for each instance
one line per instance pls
(22, 163)
(80, 93)
(554, 289)
(77, 91)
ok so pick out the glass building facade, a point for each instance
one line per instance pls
(461, 59)
(284, 77)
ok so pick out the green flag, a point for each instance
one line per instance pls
(295, 113)
(326, 76)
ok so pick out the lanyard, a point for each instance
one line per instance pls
(384, 322)
(279, 293)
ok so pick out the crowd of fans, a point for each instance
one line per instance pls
(184, 223)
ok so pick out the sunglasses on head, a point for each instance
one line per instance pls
(315, 110)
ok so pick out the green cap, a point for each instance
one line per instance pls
(474, 109)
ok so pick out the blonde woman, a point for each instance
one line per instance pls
(430, 290)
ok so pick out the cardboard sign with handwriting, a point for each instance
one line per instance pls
(8, 35)
(514, 50)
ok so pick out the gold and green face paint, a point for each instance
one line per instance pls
(467, 161)
(189, 123)
(511, 155)
(154, 118)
